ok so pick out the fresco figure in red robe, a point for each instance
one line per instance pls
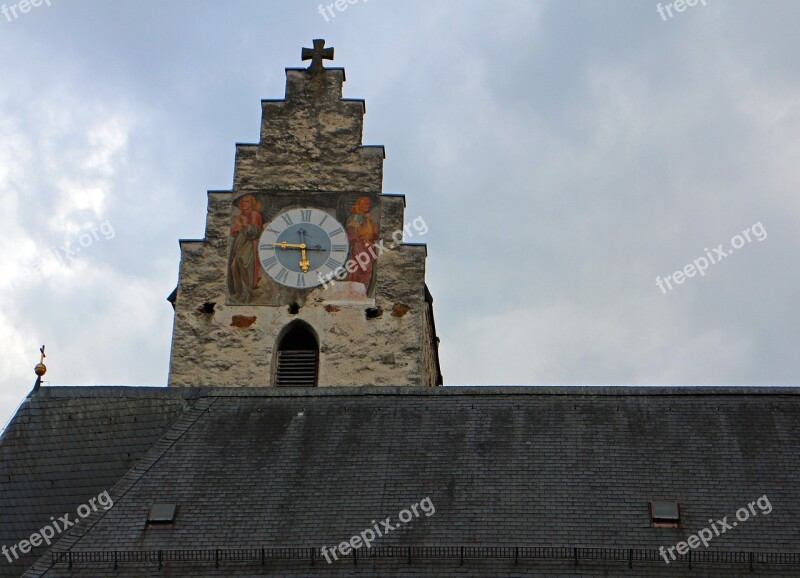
(245, 270)
(362, 232)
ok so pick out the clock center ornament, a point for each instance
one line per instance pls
(301, 248)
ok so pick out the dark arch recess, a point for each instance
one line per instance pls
(297, 356)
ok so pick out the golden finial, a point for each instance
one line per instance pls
(40, 368)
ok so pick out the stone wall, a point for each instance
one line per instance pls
(311, 141)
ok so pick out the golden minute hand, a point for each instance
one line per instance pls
(285, 245)
(304, 262)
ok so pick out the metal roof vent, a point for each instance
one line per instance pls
(161, 514)
(665, 514)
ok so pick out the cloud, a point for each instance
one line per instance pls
(563, 154)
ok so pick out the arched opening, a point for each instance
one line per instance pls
(297, 361)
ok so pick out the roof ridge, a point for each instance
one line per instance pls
(366, 391)
(121, 391)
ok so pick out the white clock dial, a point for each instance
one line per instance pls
(302, 248)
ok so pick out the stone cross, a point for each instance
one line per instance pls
(317, 54)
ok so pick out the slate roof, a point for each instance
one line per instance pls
(65, 445)
(525, 472)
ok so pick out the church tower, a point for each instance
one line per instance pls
(308, 275)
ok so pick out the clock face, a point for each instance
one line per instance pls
(302, 248)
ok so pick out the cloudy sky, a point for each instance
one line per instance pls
(564, 154)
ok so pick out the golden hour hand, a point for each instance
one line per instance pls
(304, 262)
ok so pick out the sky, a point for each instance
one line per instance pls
(568, 156)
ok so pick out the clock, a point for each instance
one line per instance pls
(303, 248)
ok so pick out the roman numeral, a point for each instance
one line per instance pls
(287, 218)
(266, 247)
(305, 215)
(324, 218)
(338, 231)
(269, 263)
(273, 231)
(301, 280)
(341, 248)
(282, 276)
(333, 263)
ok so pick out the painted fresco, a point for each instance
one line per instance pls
(251, 213)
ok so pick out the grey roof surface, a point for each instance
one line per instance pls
(67, 445)
(513, 467)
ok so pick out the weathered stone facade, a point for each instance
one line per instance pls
(310, 145)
